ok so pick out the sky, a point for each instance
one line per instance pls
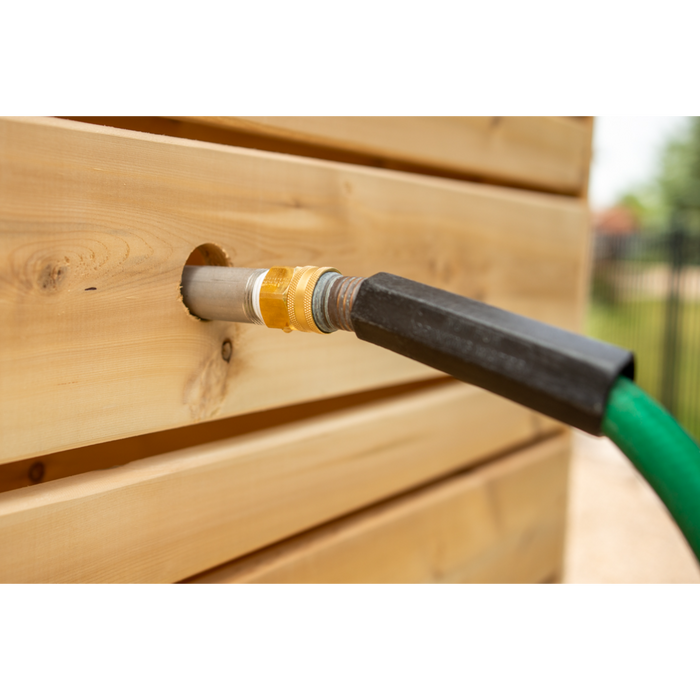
(625, 153)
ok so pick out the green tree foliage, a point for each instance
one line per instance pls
(676, 188)
(638, 203)
(674, 195)
(679, 181)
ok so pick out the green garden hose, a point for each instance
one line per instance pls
(663, 453)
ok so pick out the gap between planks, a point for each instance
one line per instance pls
(58, 465)
(538, 154)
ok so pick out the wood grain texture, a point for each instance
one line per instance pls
(501, 523)
(547, 153)
(96, 224)
(105, 455)
(169, 517)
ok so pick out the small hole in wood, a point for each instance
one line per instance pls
(36, 472)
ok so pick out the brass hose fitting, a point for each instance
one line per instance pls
(273, 298)
(299, 300)
(286, 297)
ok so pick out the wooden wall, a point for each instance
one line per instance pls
(133, 451)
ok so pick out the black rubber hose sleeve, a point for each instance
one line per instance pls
(558, 373)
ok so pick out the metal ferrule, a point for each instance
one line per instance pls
(335, 302)
(321, 298)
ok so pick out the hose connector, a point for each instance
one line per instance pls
(308, 299)
(286, 298)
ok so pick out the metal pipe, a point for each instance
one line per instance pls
(223, 293)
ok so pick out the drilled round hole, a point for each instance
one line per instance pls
(205, 254)
(36, 472)
(208, 254)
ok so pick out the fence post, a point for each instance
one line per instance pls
(672, 330)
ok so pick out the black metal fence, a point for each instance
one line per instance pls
(646, 297)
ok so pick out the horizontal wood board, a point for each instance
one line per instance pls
(58, 465)
(545, 153)
(96, 224)
(501, 523)
(169, 517)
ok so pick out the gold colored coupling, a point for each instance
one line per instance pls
(286, 296)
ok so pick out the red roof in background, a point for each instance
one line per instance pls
(617, 221)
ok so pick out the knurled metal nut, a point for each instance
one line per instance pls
(300, 297)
